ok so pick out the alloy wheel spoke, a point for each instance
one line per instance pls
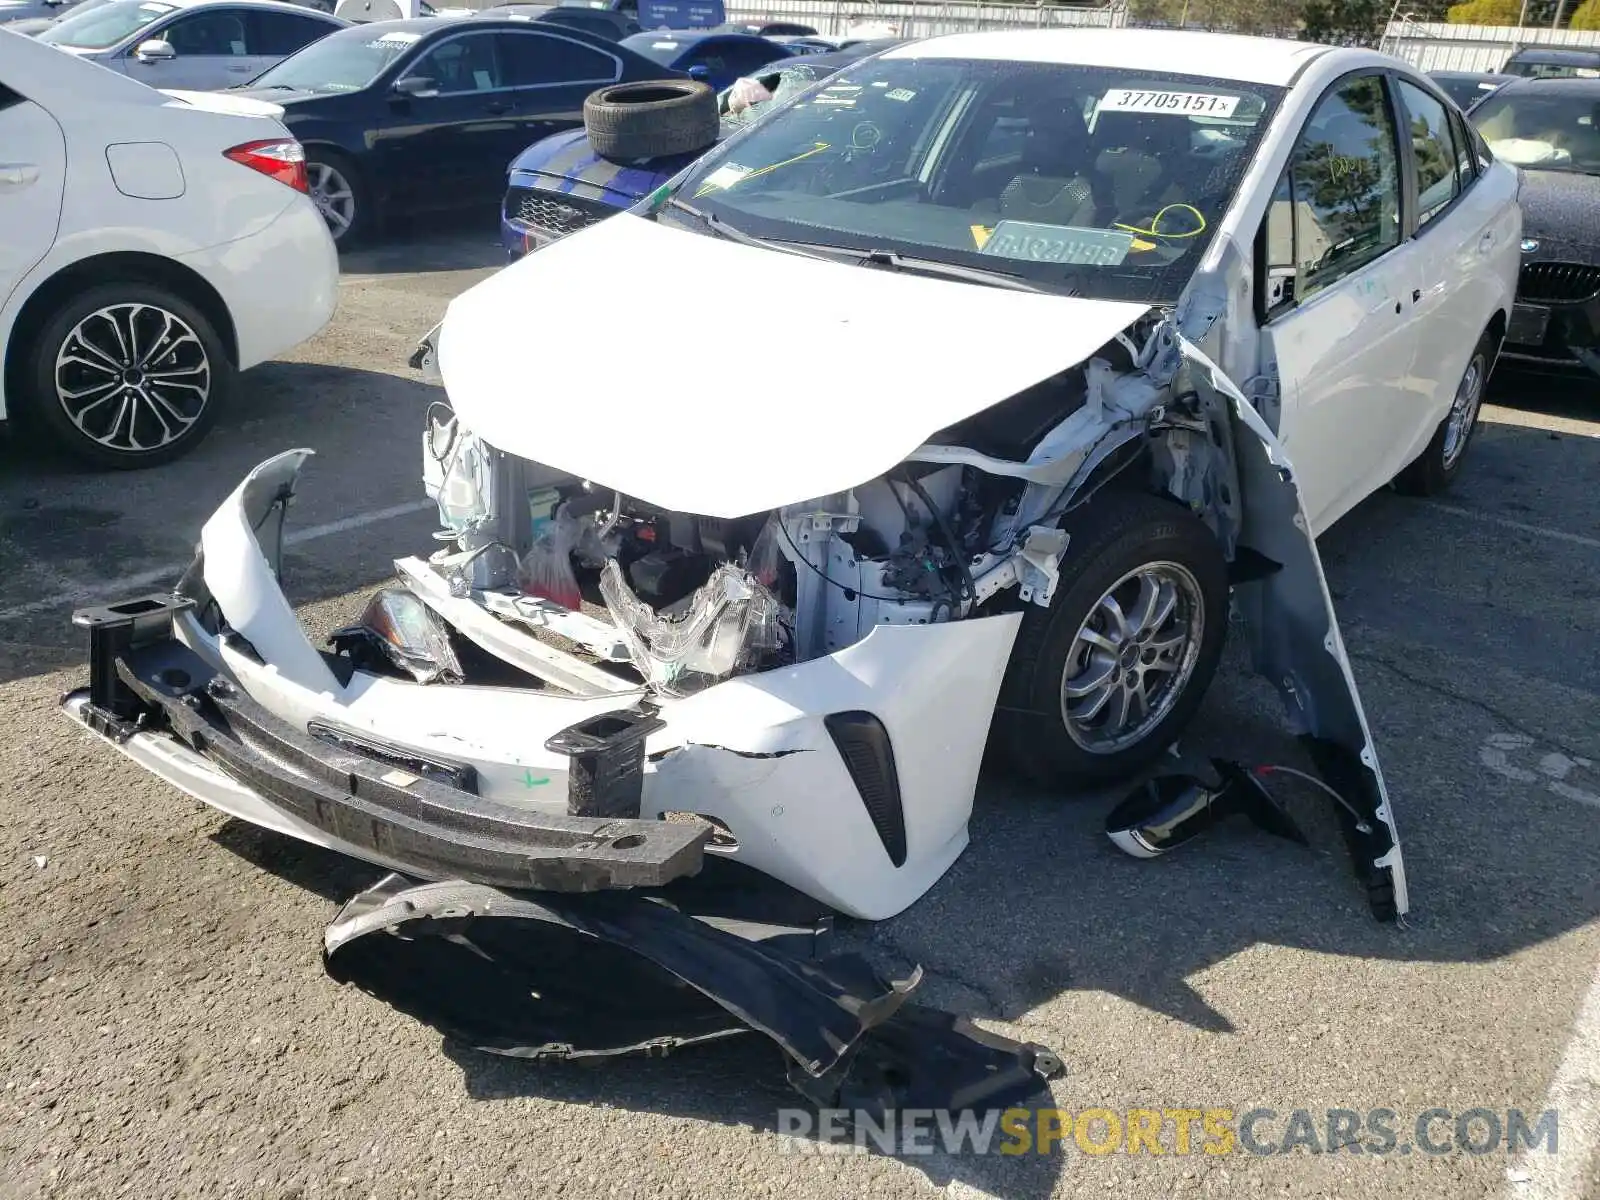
(1096, 676)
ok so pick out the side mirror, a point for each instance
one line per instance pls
(416, 87)
(701, 73)
(155, 50)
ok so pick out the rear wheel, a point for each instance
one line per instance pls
(1436, 468)
(339, 194)
(127, 375)
(1105, 678)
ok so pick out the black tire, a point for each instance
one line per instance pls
(168, 418)
(320, 162)
(651, 120)
(1112, 537)
(1436, 468)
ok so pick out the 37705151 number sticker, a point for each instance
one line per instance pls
(1182, 104)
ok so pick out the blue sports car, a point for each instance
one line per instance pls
(714, 58)
(561, 184)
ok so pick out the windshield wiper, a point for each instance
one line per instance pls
(932, 266)
(722, 229)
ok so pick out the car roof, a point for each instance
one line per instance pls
(276, 5)
(1576, 87)
(690, 37)
(1575, 55)
(1484, 76)
(1273, 61)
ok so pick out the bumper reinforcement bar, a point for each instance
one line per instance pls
(142, 680)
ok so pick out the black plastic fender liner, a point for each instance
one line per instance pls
(609, 974)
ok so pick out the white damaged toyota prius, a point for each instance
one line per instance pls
(1034, 355)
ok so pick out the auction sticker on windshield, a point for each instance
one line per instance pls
(1197, 104)
(1058, 244)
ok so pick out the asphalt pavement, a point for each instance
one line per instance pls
(167, 1029)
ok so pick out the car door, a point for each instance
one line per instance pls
(550, 75)
(1336, 306)
(1459, 230)
(210, 47)
(273, 36)
(33, 165)
(448, 142)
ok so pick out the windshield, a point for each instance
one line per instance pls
(341, 62)
(754, 95)
(104, 25)
(1075, 178)
(1547, 131)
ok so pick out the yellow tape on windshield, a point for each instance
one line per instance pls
(816, 148)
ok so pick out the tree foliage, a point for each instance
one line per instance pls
(1485, 12)
(1586, 15)
(1345, 22)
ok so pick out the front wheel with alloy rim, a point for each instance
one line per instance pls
(1107, 676)
(1436, 468)
(337, 191)
(127, 375)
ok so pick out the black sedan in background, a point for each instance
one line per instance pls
(1468, 88)
(422, 115)
(1551, 129)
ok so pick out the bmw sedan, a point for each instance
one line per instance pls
(423, 115)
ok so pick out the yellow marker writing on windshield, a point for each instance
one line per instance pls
(816, 148)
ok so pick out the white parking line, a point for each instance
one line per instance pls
(1558, 535)
(158, 575)
(1575, 1094)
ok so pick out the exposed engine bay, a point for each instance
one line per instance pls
(696, 599)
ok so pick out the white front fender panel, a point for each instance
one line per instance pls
(1295, 642)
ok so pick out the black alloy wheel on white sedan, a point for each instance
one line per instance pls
(127, 375)
(1106, 678)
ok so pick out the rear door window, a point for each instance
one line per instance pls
(549, 60)
(279, 35)
(1433, 152)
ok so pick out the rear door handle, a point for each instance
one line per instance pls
(17, 175)
(1486, 243)
(497, 107)
(239, 70)
(1416, 295)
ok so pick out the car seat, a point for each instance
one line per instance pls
(1050, 186)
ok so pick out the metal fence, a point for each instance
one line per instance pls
(838, 17)
(1435, 46)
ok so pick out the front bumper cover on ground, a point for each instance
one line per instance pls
(552, 976)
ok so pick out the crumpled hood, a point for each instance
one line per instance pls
(725, 379)
(1562, 210)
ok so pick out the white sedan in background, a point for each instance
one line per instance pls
(154, 245)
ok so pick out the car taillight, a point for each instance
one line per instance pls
(282, 158)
